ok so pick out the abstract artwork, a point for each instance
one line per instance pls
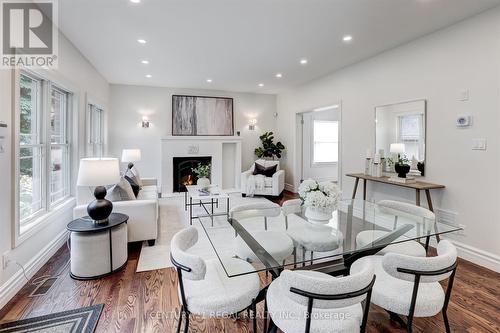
(200, 115)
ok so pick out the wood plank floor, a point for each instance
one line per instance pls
(147, 302)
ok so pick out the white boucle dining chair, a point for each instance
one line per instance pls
(276, 242)
(410, 247)
(409, 286)
(204, 287)
(310, 238)
(313, 302)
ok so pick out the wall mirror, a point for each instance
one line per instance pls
(403, 124)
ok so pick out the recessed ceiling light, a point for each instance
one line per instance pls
(135, 1)
(279, 75)
(347, 38)
(149, 76)
(145, 62)
(141, 41)
(303, 61)
(261, 84)
(209, 80)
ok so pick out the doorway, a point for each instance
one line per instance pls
(319, 146)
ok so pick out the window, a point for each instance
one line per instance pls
(31, 160)
(410, 132)
(95, 131)
(44, 149)
(326, 141)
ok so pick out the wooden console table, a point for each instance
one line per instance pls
(418, 186)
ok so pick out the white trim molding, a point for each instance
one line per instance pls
(12, 286)
(290, 187)
(478, 256)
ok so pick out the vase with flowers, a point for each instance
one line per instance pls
(320, 200)
(202, 172)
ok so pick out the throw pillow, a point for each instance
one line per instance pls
(262, 170)
(133, 173)
(121, 192)
(135, 187)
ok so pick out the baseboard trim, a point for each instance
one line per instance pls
(12, 286)
(290, 187)
(478, 256)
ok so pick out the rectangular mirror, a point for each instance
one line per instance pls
(403, 124)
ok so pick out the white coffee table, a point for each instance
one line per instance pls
(200, 196)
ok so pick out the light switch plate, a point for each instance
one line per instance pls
(479, 144)
(463, 95)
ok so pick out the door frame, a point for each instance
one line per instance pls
(299, 149)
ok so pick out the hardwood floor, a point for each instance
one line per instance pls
(147, 302)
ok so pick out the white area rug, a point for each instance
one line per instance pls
(174, 218)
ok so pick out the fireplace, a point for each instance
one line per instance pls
(182, 174)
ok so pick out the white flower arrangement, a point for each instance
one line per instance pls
(324, 195)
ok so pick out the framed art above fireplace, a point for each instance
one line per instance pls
(202, 116)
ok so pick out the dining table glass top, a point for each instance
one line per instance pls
(286, 238)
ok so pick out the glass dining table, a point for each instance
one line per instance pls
(357, 228)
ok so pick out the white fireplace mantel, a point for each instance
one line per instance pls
(224, 150)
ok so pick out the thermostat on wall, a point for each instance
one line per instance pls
(464, 121)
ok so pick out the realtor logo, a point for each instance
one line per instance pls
(29, 33)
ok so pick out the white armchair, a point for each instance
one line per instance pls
(273, 186)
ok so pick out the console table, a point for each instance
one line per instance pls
(418, 186)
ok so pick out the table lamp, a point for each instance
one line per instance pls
(98, 172)
(397, 148)
(130, 156)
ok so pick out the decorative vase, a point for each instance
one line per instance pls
(100, 209)
(318, 215)
(401, 169)
(421, 168)
(203, 182)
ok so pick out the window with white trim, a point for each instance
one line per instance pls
(411, 133)
(95, 131)
(44, 147)
(325, 141)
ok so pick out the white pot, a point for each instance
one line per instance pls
(203, 182)
(318, 215)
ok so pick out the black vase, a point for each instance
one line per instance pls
(402, 169)
(421, 168)
(100, 209)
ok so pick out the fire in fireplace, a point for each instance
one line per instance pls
(182, 171)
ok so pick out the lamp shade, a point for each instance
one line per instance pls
(131, 155)
(98, 172)
(397, 148)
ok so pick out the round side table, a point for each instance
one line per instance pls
(98, 250)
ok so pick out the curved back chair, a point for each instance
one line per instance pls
(201, 282)
(277, 243)
(413, 248)
(410, 286)
(309, 301)
(291, 207)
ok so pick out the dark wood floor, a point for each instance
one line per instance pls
(147, 302)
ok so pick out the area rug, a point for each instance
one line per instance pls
(83, 320)
(174, 218)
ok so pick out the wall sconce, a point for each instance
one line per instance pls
(145, 122)
(251, 124)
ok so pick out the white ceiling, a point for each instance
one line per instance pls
(240, 43)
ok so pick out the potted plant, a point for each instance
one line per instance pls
(401, 165)
(202, 172)
(320, 200)
(269, 149)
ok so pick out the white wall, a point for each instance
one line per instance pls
(76, 72)
(129, 103)
(436, 67)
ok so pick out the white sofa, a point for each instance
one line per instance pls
(143, 212)
(273, 186)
